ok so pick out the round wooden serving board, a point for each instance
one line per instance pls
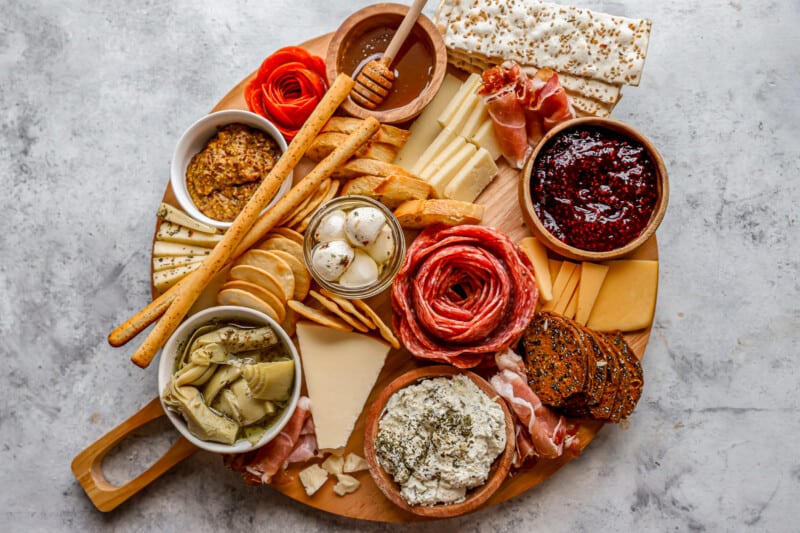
(368, 502)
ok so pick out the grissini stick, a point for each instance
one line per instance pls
(222, 252)
(376, 78)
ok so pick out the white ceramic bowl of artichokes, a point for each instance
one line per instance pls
(229, 379)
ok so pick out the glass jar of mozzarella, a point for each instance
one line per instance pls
(354, 246)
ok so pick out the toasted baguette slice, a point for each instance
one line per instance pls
(325, 143)
(385, 134)
(369, 167)
(390, 191)
(418, 214)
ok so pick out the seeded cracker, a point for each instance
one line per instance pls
(567, 39)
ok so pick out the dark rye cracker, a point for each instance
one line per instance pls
(635, 376)
(554, 359)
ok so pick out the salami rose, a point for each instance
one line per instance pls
(462, 294)
(286, 89)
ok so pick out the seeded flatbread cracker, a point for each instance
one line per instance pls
(246, 299)
(386, 331)
(318, 316)
(302, 279)
(260, 292)
(331, 306)
(259, 277)
(348, 306)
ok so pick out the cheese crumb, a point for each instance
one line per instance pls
(354, 463)
(313, 478)
(346, 484)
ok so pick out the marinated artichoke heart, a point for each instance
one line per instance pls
(231, 382)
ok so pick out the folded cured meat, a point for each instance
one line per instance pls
(550, 433)
(523, 107)
(462, 294)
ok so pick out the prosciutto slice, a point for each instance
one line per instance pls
(545, 103)
(549, 433)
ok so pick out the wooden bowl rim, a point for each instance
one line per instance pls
(387, 485)
(571, 252)
(415, 106)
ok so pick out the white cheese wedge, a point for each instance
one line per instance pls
(340, 369)
(444, 138)
(426, 127)
(165, 263)
(444, 156)
(463, 114)
(469, 87)
(627, 299)
(163, 249)
(592, 276)
(164, 279)
(485, 138)
(470, 180)
(445, 174)
(169, 232)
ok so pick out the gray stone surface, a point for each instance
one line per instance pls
(94, 95)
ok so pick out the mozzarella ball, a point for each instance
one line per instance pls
(331, 227)
(331, 259)
(362, 225)
(382, 248)
(362, 271)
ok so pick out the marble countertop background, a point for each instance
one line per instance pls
(94, 95)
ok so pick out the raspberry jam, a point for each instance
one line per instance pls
(594, 189)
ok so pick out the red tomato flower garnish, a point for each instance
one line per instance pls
(286, 89)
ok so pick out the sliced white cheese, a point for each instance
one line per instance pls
(477, 116)
(167, 231)
(463, 113)
(176, 216)
(453, 164)
(167, 262)
(340, 369)
(485, 138)
(442, 158)
(165, 279)
(163, 249)
(444, 138)
(470, 180)
(426, 127)
(469, 87)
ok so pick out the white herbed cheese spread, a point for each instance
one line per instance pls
(438, 438)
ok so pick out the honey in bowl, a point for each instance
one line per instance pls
(413, 65)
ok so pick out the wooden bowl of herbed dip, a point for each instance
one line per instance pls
(439, 441)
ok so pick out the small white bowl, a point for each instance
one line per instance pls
(229, 313)
(195, 138)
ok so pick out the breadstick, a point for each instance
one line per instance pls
(222, 252)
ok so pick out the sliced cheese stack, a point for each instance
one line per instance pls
(616, 295)
(181, 245)
(340, 369)
(456, 150)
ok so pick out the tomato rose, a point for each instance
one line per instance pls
(286, 89)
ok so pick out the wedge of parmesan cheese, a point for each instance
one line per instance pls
(340, 369)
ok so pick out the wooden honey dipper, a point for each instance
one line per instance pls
(375, 80)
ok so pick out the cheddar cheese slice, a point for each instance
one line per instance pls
(470, 180)
(469, 87)
(451, 165)
(592, 276)
(627, 299)
(485, 138)
(445, 137)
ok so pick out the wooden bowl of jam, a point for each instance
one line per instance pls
(594, 189)
(419, 66)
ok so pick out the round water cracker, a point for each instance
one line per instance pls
(261, 293)
(289, 233)
(348, 306)
(285, 244)
(302, 279)
(318, 316)
(386, 331)
(272, 264)
(331, 306)
(259, 277)
(243, 298)
(289, 323)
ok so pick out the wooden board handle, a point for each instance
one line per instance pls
(87, 467)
